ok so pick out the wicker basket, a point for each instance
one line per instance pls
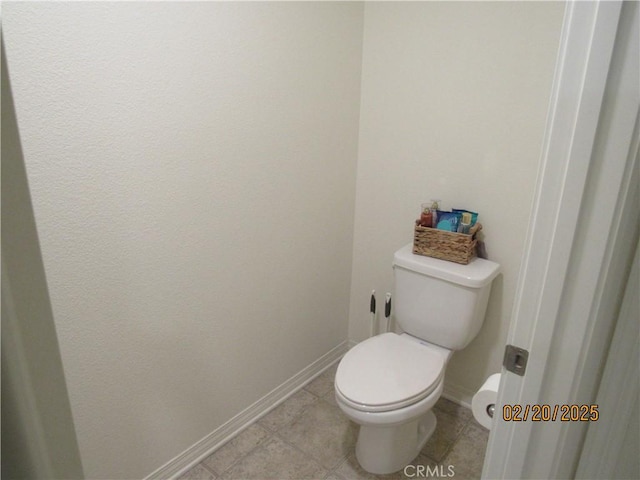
(454, 247)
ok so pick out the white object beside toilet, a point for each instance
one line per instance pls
(484, 401)
(389, 383)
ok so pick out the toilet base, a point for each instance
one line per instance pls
(382, 450)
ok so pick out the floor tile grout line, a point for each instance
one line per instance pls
(334, 470)
(453, 443)
(302, 412)
(320, 395)
(209, 469)
(237, 460)
(272, 434)
(297, 416)
(460, 468)
(308, 456)
(293, 419)
(311, 457)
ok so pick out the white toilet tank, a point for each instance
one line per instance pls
(438, 301)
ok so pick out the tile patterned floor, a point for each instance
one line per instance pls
(308, 437)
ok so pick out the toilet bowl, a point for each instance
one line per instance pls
(388, 385)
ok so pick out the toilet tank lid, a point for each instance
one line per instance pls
(478, 273)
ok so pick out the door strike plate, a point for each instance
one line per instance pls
(515, 359)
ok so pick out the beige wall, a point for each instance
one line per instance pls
(38, 434)
(192, 170)
(454, 98)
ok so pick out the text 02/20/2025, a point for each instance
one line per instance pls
(549, 413)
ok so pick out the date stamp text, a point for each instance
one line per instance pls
(550, 413)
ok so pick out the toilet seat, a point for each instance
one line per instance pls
(388, 372)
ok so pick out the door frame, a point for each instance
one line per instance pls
(579, 245)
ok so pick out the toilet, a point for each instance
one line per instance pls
(389, 383)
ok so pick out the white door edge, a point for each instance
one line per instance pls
(587, 42)
(610, 451)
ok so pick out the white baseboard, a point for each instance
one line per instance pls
(460, 395)
(203, 448)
